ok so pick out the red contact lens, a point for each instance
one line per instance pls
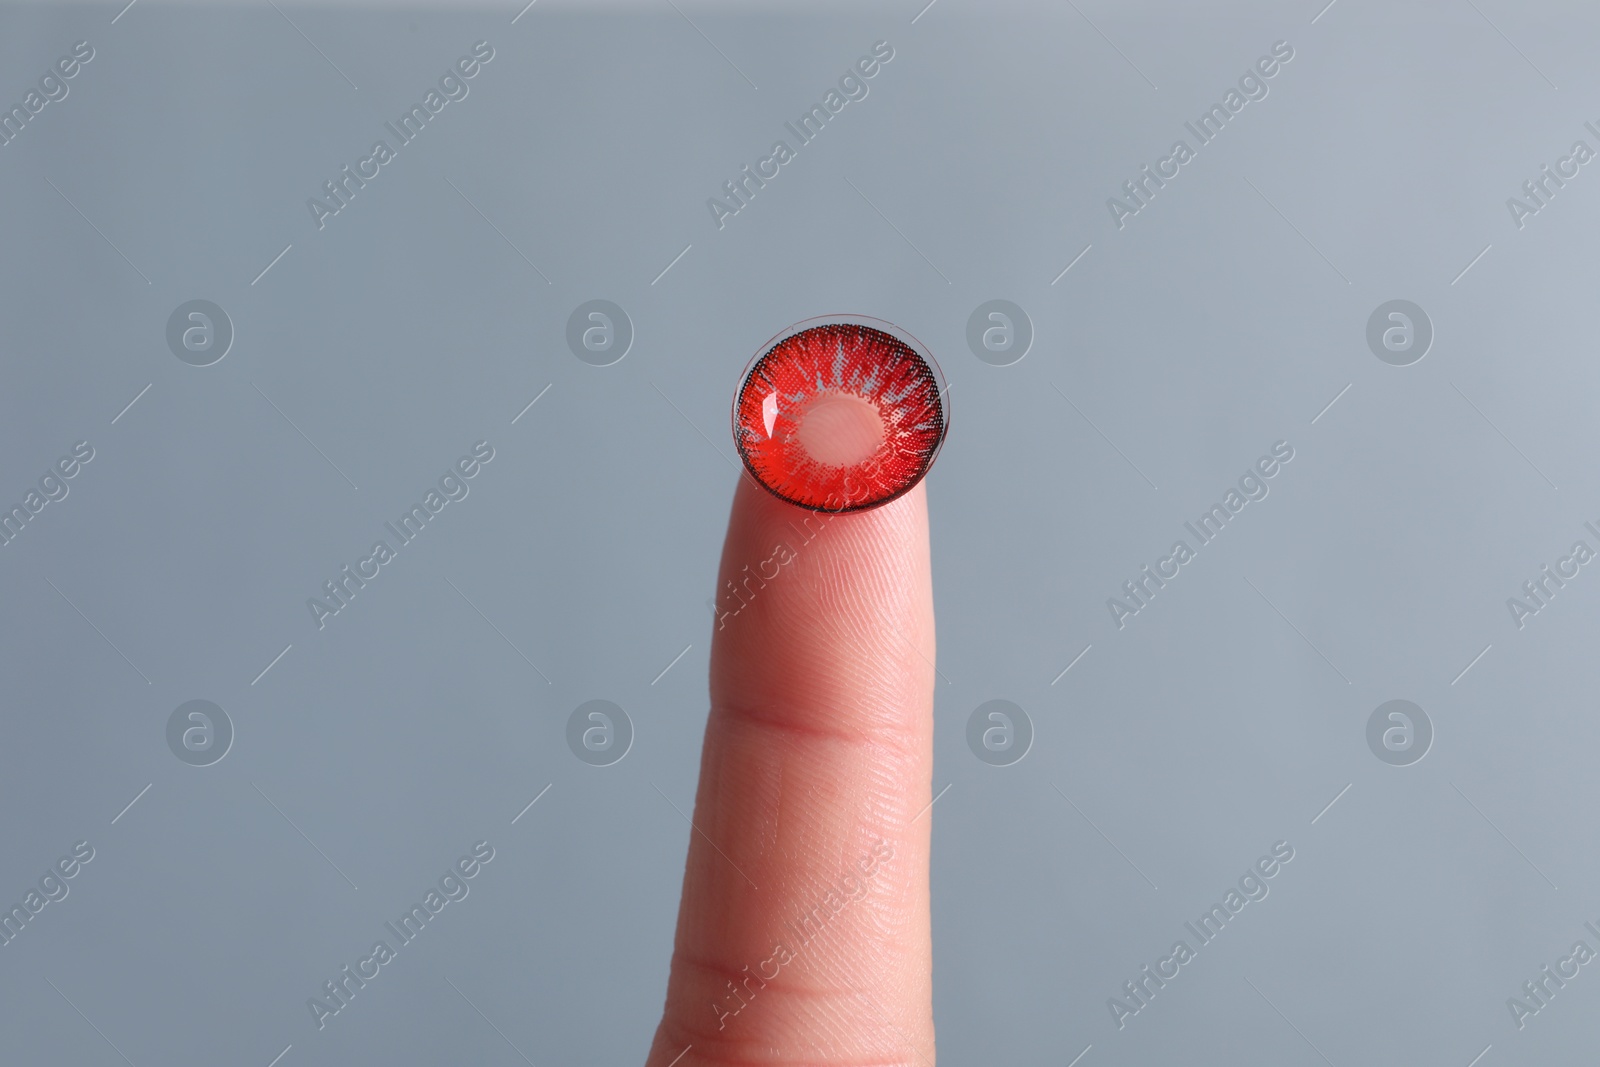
(840, 414)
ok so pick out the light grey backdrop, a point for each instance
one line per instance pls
(368, 355)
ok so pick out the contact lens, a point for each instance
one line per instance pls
(840, 414)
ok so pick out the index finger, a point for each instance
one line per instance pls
(803, 932)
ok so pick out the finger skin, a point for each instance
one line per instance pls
(803, 933)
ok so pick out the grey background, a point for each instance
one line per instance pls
(1220, 720)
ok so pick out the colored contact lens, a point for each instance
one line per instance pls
(840, 414)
